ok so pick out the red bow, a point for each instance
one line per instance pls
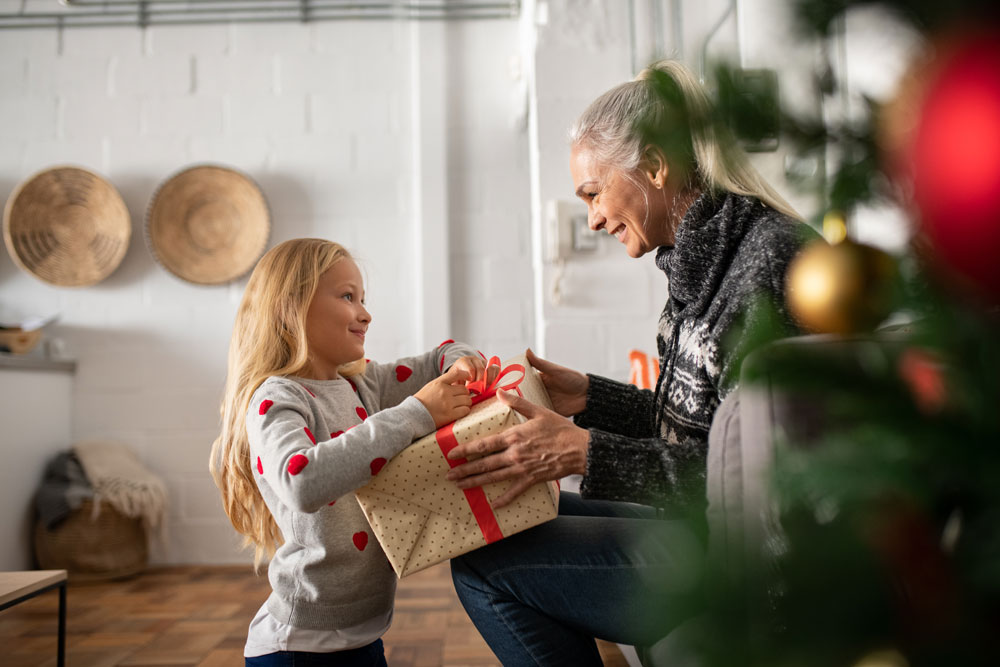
(482, 391)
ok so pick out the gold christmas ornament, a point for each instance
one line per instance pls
(842, 289)
(834, 227)
(886, 658)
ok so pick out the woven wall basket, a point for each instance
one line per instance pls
(67, 226)
(108, 546)
(208, 224)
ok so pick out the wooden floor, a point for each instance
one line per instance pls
(199, 616)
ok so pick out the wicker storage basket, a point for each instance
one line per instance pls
(108, 546)
(17, 341)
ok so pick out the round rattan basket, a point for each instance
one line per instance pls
(208, 224)
(107, 546)
(16, 341)
(67, 226)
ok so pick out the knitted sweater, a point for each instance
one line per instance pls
(312, 443)
(651, 447)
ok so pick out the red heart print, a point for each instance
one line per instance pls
(353, 386)
(377, 464)
(446, 342)
(265, 405)
(360, 540)
(336, 433)
(260, 466)
(332, 503)
(312, 438)
(296, 464)
(402, 373)
(362, 414)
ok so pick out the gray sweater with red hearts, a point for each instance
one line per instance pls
(312, 443)
(651, 447)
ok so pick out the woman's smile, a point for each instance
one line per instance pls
(625, 205)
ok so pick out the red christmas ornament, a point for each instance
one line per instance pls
(955, 160)
(923, 373)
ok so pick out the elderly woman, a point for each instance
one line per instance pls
(659, 176)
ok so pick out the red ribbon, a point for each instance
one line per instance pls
(445, 436)
(475, 496)
(483, 391)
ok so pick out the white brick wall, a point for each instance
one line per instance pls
(489, 189)
(610, 303)
(580, 54)
(320, 116)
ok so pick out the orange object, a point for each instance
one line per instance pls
(645, 369)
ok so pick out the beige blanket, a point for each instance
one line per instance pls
(119, 478)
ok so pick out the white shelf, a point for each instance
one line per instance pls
(36, 363)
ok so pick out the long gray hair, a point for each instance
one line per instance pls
(665, 106)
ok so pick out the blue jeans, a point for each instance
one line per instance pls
(372, 655)
(600, 569)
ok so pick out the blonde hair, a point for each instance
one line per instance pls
(665, 106)
(269, 338)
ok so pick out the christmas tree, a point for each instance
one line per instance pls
(888, 552)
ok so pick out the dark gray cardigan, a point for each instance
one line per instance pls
(651, 448)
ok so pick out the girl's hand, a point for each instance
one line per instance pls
(567, 388)
(475, 367)
(446, 397)
(544, 448)
(472, 367)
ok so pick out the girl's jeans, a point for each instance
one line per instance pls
(600, 569)
(372, 655)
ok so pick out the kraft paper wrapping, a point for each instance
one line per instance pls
(421, 519)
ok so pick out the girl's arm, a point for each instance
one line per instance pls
(390, 383)
(309, 470)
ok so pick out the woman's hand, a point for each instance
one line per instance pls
(546, 447)
(446, 397)
(566, 388)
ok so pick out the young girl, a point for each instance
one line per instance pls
(306, 421)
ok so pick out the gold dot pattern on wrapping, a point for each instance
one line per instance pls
(421, 519)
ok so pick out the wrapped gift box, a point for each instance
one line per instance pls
(421, 519)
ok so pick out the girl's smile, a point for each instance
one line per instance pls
(337, 320)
